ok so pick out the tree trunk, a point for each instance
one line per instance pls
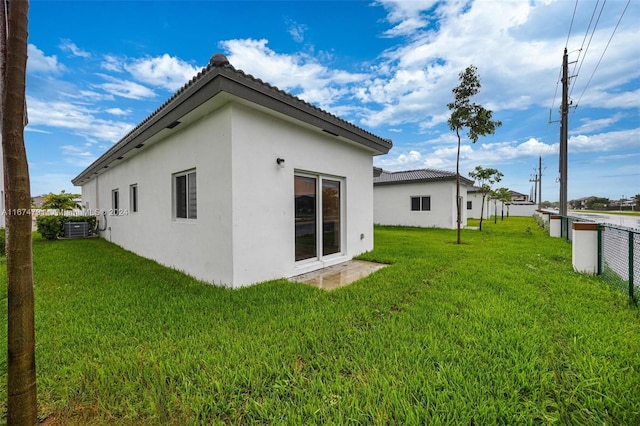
(482, 210)
(458, 187)
(21, 367)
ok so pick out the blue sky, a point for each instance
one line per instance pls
(96, 69)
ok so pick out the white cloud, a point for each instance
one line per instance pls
(164, 71)
(296, 30)
(623, 140)
(299, 74)
(69, 46)
(118, 111)
(125, 89)
(518, 63)
(77, 118)
(111, 63)
(588, 125)
(38, 62)
(444, 156)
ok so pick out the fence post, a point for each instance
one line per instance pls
(600, 249)
(631, 265)
(555, 226)
(584, 250)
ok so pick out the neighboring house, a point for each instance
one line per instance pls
(518, 197)
(38, 201)
(234, 182)
(474, 203)
(425, 198)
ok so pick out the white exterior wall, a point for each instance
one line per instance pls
(201, 247)
(263, 197)
(476, 203)
(392, 204)
(245, 230)
(522, 209)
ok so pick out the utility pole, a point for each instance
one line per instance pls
(535, 187)
(564, 112)
(539, 182)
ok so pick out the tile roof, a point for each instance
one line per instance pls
(420, 175)
(220, 76)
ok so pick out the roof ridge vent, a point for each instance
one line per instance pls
(218, 60)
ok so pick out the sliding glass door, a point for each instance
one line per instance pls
(305, 214)
(318, 217)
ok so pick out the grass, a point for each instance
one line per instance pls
(498, 330)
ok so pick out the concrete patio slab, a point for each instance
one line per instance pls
(336, 276)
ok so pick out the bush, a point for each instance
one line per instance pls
(3, 243)
(52, 227)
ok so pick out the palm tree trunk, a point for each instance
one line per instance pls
(21, 367)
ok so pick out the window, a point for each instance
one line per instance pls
(185, 195)
(115, 201)
(133, 197)
(469, 205)
(318, 216)
(421, 204)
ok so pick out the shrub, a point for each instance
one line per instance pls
(3, 242)
(52, 227)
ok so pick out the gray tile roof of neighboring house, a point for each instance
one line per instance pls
(220, 76)
(420, 175)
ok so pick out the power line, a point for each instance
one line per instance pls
(605, 50)
(590, 38)
(571, 25)
(585, 38)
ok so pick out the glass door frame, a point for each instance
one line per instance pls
(319, 179)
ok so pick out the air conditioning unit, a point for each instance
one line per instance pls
(76, 229)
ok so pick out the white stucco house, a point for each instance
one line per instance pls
(234, 182)
(474, 204)
(424, 198)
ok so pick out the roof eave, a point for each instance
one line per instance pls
(209, 84)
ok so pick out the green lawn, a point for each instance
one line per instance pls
(498, 330)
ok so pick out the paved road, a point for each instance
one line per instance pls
(613, 219)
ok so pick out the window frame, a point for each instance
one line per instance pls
(133, 197)
(191, 211)
(115, 201)
(421, 203)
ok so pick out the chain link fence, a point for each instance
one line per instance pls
(619, 257)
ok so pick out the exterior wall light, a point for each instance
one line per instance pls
(280, 162)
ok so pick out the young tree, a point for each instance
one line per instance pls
(485, 178)
(503, 195)
(21, 364)
(468, 115)
(61, 201)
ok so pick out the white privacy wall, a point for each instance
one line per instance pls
(244, 232)
(392, 204)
